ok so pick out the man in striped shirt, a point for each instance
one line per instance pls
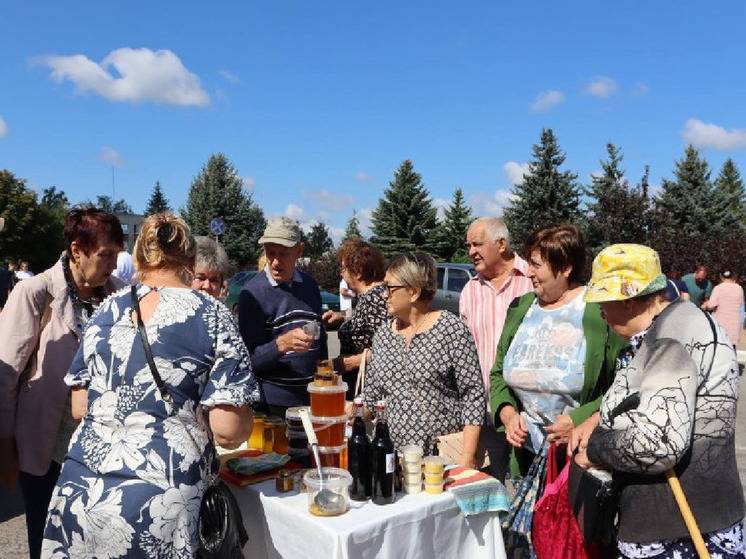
(483, 305)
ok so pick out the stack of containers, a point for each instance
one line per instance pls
(411, 457)
(329, 421)
(296, 436)
(434, 466)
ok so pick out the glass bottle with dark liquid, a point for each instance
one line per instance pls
(359, 457)
(383, 462)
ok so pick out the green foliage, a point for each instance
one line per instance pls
(106, 204)
(217, 191)
(547, 196)
(405, 218)
(33, 231)
(450, 235)
(729, 186)
(324, 270)
(352, 231)
(158, 202)
(617, 211)
(318, 242)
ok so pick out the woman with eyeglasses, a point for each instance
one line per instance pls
(556, 355)
(424, 363)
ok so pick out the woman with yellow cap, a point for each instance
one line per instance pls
(672, 406)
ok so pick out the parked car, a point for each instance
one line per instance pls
(329, 301)
(452, 278)
(235, 285)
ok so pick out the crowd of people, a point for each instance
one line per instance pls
(113, 461)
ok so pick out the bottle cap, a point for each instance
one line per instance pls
(380, 404)
(358, 402)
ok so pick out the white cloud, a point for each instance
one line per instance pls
(336, 233)
(596, 174)
(248, 182)
(546, 100)
(641, 89)
(329, 200)
(362, 176)
(601, 86)
(294, 212)
(139, 75)
(485, 205)
(3, 128)
(703, 135)
(515, 171)
(230, 76)
(441, 205)
(110, 156)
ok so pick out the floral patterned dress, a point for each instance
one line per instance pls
(133, 479)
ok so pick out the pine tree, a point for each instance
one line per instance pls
(217, 191)
(547, 196)
(729, 186)
(405, 218)
(318, 242)
(618, 212)
(352, 231)
(451, 233)
(158, 202)
(689, 203)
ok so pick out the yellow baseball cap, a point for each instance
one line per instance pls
(624, 271)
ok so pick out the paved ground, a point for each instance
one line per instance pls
(13, 525)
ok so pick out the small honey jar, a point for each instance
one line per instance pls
(285, 481)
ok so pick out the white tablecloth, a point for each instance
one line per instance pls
(427, 526)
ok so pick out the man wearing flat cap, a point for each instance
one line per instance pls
(279, 315)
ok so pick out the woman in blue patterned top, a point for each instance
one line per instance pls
(133, 479)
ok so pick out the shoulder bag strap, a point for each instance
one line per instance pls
(146, 347)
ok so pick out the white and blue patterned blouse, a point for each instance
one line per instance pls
(133, 479)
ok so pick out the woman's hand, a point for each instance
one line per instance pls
(581, 459)
(515, 426)
(580, 435)
(331, 318)
(559, 431)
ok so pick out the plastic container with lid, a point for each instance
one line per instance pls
(330, 431)
(412, 478)
(330, 456)
(434, 477)
(292, 418)
(327, 401)
(434, 488)
(411, 453)
(413, 488)
(434, 464)
(335, 480)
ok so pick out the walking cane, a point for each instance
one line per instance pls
(686, 512)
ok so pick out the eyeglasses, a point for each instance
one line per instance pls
(389, 289)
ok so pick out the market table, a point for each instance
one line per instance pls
(427, 526)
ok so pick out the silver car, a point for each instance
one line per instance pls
(451, 280)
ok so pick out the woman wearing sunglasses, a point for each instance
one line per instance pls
(424, 363)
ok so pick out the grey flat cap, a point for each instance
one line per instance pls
(282, 231)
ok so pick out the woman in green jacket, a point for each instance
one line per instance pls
(556, 356)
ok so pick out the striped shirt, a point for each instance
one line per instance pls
(483, 307)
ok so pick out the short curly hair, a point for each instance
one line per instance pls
(561, 246)
(362, 258)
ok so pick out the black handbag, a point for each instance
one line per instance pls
(220, 533)
(595, 500)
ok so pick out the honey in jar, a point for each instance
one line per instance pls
(256, 440)
(327, 401)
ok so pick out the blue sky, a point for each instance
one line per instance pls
(317, 103)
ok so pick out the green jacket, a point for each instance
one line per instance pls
(602, 348)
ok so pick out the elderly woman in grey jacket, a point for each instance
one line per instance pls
(683, 369)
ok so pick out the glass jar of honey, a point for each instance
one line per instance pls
(256, 439)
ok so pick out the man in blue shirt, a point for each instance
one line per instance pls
(279, 316)
(699, 287)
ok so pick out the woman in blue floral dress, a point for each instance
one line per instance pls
(137, 467)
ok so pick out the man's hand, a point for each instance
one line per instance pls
(8, 463)
(580, 435)
(559, 431)
(515, 426)
(295, 340)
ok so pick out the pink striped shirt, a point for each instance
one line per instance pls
(483, 307)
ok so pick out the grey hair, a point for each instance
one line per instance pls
(416, 270)
(494, 228)
(211, 255)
